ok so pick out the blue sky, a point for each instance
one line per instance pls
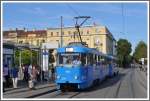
(45, 15)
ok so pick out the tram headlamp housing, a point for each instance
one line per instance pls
(76, 77)
(58, 77)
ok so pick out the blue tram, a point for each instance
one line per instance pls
(79, 66)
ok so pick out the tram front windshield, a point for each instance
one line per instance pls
(71, 59)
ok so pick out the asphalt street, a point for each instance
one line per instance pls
(129, 83)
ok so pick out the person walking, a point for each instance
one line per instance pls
(15, 76)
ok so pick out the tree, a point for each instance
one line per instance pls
(25, 57)
(140, 51)
(123, 52)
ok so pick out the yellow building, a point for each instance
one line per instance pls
(95, 36)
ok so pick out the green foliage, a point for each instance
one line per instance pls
(123, 52)
(25, 57)
(140, 51)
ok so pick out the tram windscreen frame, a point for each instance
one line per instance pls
(67, 59)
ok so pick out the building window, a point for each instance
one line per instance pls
(57, 33)
(88, 32)
(43, 41)
(69, 33)
(74, 32)
(20, 41)
(51, 33)
(31, 42)
(62, 33)
(81, 32)
(38, 43)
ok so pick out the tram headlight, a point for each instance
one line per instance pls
(58, 77)
(76, 77)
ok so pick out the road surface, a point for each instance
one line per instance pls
(130, 83)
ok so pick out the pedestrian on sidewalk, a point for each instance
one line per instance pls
(30, 81)
(5, 75)
(34, 74)
(26, 74)
(32, 77)
(14, 73)
(53, 72)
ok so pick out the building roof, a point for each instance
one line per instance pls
(23, 33)
(66, 27)
(38, 33)
(7, 33)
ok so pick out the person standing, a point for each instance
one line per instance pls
(30, 81)
(26, 74)
(34, 75)
(5, 75)
(53, 72)
(15, 76)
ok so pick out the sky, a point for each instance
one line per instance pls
(124, 20)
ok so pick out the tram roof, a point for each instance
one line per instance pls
(79, 48)
(74, 48)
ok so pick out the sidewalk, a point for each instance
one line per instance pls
(25, 92)
(23, 84)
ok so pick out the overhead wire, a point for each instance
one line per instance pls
(75, 12)
(123, 18)
(73, 9)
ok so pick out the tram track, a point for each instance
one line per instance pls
(68, 94)
(43, 93)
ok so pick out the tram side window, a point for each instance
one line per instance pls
(102, 60)
(99, 58)
(89, 59)
(83, 59)
(94, 59)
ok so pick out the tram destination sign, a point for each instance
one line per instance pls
(69, 49)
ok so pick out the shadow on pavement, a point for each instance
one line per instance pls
(106, 83)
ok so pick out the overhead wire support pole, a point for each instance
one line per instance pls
(77, 26)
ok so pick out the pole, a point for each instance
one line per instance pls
(20, 59)
(20, 65)
(41, 62)
(61, 37)
(31, 57)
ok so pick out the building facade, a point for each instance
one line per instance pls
(95, 37)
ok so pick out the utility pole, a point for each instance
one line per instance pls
(61, 37)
